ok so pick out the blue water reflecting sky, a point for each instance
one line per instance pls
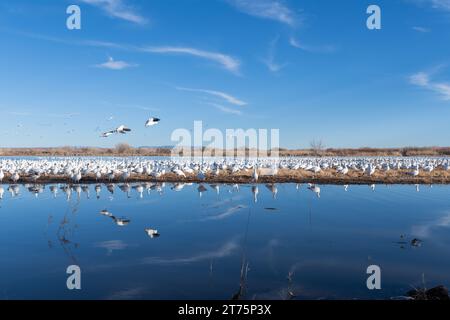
(221, 243)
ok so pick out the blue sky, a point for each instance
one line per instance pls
(308, 67)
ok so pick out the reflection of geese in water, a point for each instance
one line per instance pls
(297, 186)
(314, 188)
(36, 190)
(255, 192)
(215, 187)
(417, 188)
(85, 189)
(373, 187)
(125, 188)
(121, 222)
(201, 189)
(78, 190)
(110, 187)
(14, 190)
(106, 213)
(346, 187)
(98, 190)
(177, 187)
(2, 191)
(272, 188)
(54, 191)
(139, 189)
(68, 191)
(147, 186)
(152, 233)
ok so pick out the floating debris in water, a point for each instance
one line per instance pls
(436, 293)
(416, 242)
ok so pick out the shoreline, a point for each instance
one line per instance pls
(438, 176)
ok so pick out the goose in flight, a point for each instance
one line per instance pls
(107, 134)
(152, 121)
(123, 130)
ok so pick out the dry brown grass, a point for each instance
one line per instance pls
(438, 176)
(126, 150)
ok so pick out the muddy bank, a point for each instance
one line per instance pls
(283, 176)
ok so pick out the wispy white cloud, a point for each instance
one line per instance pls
(316, 49)
(20, 114)
(226, 250)
(229, 212)
(128, 294)
(115, 65)
(226, 61)
(268, 9)
(118, 9)
(227, 97)
(421, 29)
(269, 61)
(424, 80)
(64, 115)
(438, 4)
(425, 230)
(226, 109)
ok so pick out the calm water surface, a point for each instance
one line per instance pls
(219, 244)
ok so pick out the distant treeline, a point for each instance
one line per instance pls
(127, 150)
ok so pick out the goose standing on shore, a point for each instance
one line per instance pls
(255, 175)
(15, 177)
(2, 175)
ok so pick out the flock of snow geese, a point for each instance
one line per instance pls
(110, 170)
(121, 169)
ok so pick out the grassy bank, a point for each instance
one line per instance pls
(438, 176)
(126, 151)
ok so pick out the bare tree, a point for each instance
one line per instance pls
(317, 146)
(122, 148)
